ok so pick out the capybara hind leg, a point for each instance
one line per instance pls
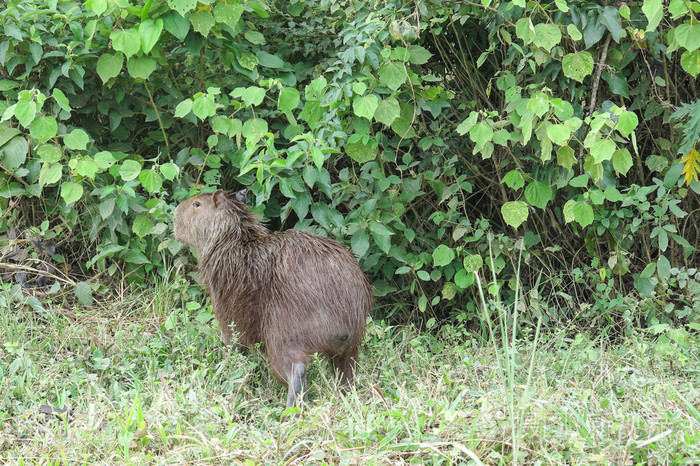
(297, 384)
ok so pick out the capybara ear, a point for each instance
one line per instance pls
(218, 198)
(241, 195)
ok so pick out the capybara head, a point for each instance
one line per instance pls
(201, 220)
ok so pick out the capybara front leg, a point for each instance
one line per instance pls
(296, 384)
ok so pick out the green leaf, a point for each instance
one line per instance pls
(183, 108)
(253, 96)
(663, 268)
(690, 61)
(254, 129)
(14, 153)
(654, 11)
(43, 128)
(538, 194)
(127, 41)
(419, 55)
(688, 36)
(87, 168)
(129, 170)
(463, 279)
(84, 293)
(104, 160)
(514, 213)
(268, 60)
(150, 31)
(602, 149)
(141, 67)
(150, 180)
(60, 99)
(613, 195)
(7, 133)
(473, 262)
(464, 127)
(583, 213)
(254, 37)
(176, 24)
(387, 111)
(580, 181)
(204, 107)
(481, 133)
(577, 65)
(25, 112)
(617, 83)
(71, 192)
(50, 173)
(443, 255)
(109, 66)
(248, 61)
(627, 122)
(76, 140)
(610, 17)
(228, 13)
(360, 152)
(565, 157)
(169, 171)
(574, 32)
(288, 99)
(622, 161)
(182, 6)
(525, 30)
(49, 153)
(392, 75)
(202, 21)
(514, 180)
(559, 134)
(365, 106)
(142, 226)
(538, 104)
(547, 36)
(359, 242)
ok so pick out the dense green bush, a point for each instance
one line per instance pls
(431, 137)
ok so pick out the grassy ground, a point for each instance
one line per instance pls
(147, 385)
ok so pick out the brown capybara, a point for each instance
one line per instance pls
(293, 292)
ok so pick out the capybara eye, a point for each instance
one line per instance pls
(197, 204)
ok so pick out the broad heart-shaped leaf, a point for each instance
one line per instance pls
(288, 99)
(248, 61)
(514, 213)
(392, 75)
(150, 180)
(547, 36)
(87, 168)
(481, 133)
(50, 173)
(129, 170)
(183, 108)
(268, 60)
(176, 24)
(654, 11)
(141, 67)
(514, 180)
(443, 255)
(109, 66)
(182, 6)
(538, 104)
(84, 293)
(419, 55)
(169, 171)
(204, 106)
(610, 17)
(365, 106)
(253, 96)
(473, 262)
(565, 157)
(583, 213)
(202, 21)
(688, 36)
(577, 65)
(627, 122)
(25, 112)
(49, 153)
(690, 61)
(43, 128)
(538, 194)
(360, 152)
(254, 129)
(617, 83)
(127, 41)
(71, 192)
(76, 140)
(622, 161)
(15, 153)
(142, 226)
(602, 149)
(558, 133)
(149, 31)
(228, 13)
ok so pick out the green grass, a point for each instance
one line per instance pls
(147, 385)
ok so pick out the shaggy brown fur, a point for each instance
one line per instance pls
(295, 293)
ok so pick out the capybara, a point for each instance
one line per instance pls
(293, 292)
